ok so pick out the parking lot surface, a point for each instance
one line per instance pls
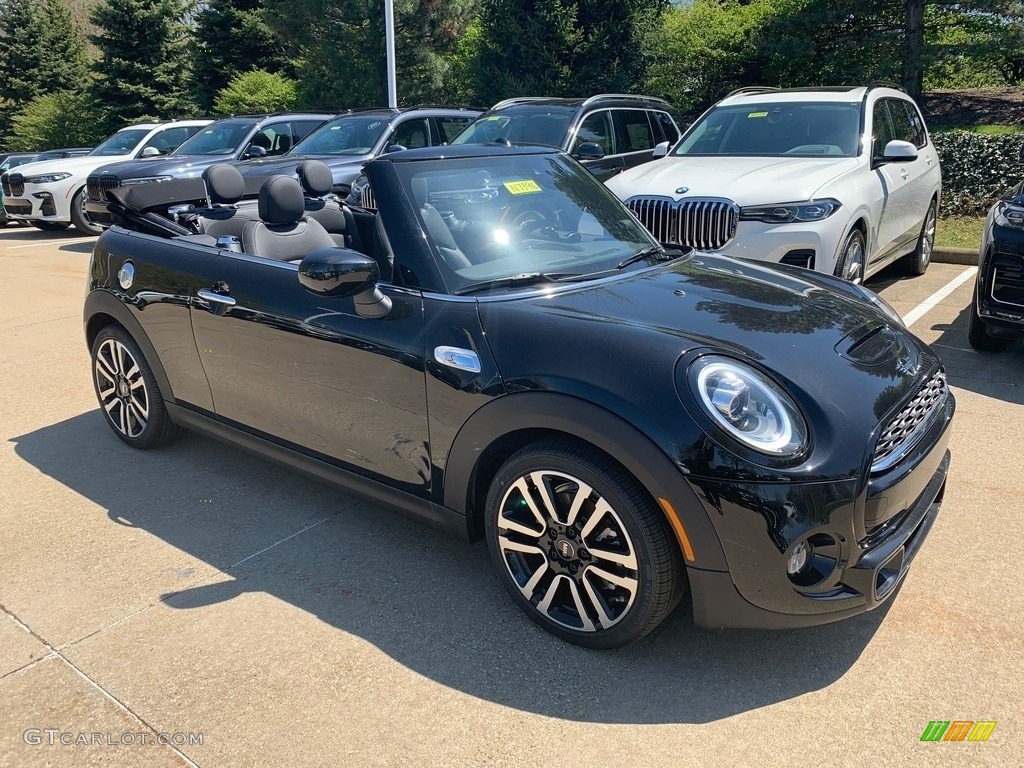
(197, 606)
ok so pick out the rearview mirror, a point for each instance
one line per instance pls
(588, 150)
(897, 151)
(339, 272)
(255, 150)
(660, 150)
(150, 152)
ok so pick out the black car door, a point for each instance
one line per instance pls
(309, 372)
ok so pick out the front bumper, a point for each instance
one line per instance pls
(756, 592)
(788, 243)
(41, 202)
(999, 299)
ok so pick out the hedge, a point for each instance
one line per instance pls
(976, 170)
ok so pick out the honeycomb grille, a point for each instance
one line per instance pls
(905, 430)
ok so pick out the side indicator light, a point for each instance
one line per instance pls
(677, 526)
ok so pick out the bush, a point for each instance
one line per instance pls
(255, 92)
(66, 119)
(976, 170)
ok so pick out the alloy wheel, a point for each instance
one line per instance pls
(928, 237)
(122, 388)
(567, 550)
(853, 260)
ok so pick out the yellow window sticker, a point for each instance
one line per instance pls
(758, 114)
(522, 187)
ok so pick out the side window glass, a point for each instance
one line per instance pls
(265, 137)
(916, 125)
(450, 127)
(633, 130)
(902, 129)
(301, 128)
(412, 134)
(668, 126)
(280, 136)
(167, 140)
(882, 132)
(597, 129)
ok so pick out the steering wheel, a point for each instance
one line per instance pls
(527, 218)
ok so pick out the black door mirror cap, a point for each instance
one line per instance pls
(335, 272)
(589, 150)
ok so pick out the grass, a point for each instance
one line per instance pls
(990, 130)
(959, 232)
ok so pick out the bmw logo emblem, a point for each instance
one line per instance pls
(682, 190)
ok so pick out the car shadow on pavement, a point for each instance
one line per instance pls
(83, 247)
(428, 601)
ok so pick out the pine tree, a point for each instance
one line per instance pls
(231, 38)
(144, 69)
(43, 50)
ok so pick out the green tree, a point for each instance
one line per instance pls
(144, 66)
(63, 119)
(255, 92)
(43, 50)
(232, 37)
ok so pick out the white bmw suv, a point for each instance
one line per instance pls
(841, 180)
(51, 195)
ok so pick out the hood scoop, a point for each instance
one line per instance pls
(870, 344)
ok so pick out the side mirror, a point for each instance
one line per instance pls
(897, 151)
(255, 150)
(588, 150)
(338, 272)
(150, 152)
(395, 148)
(660, 150)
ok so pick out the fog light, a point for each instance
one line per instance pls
(799, 559)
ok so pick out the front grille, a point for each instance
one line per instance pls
(15, 184)
(367, 200)
(96, 185)
(708, 223)
(5, 185)
(18, 207)
(906, 429)
(1008, 279)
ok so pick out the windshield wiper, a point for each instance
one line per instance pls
(644, 253)
(526, 278)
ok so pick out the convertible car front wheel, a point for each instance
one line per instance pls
(127, 391)
(580, 546)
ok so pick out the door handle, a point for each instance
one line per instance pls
(904, 173)
(215, 298)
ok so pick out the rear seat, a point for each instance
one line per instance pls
(317, 182)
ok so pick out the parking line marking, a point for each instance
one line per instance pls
(932, 301)
(49, 242)
(282, 541)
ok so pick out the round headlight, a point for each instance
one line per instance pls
(749, 406)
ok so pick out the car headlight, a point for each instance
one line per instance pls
(749, 406)
(47, 178)
(1009, 215)
(882, 304)
(780, 213)
(145, 180)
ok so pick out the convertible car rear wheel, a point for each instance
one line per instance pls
(580, 546)
(127, 391)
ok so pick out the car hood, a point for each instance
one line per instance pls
(745, 180)
(181, 167)
(344, 168)
(79, 166)
(619, 342)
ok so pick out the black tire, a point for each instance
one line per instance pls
(615, 517)
(852, 258)
(50, 226)
(80, 218)
(126, 389)
(981, 339)
(916, 263)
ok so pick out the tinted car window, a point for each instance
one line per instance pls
(917, 129)
(774, 129)
(668, 127)
(279, 136)
(220, 138)
(167, 140)
(520, 124)
(596, 128)
(882, 130)
(451, 127)
(633, 130)
(121, 143)
(349, 135)
(902, 129)
(301, 128)
(412, 134)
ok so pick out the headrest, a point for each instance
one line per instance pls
(419, 190)
(224, 184)
(281, 200)
(315, 177)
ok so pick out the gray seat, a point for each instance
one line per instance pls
(222, 216)
(317, 181)
(438, 230)
(282, 232)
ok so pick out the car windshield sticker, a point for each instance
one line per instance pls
(525, 187)
(758, 114)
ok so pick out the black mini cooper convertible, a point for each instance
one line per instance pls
(502, 351)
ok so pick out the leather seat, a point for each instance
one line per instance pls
(317, 181)
(282, 232)
(224, 188)
(438, 229)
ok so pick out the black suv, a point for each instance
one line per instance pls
(349, 140)
(234, 138)
(997, 316)
(608, 133)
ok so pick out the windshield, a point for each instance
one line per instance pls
(521, 124)
(220, 138)
(349, 135)
(121, 143)
(775, 129)
(506, 216)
